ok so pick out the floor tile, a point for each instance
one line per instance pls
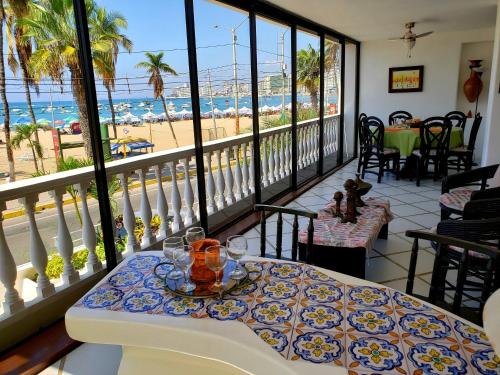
(411, 198)
(430, 206)
(311, 200)
(382, 269)
(419, 287)
(401, 225)
(393, 244)
(93, 359)
(406, 210)
(426, 220)
(425, 261)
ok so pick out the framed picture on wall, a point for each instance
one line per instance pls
(406, 79)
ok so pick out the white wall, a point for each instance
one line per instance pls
(439, 53)
(491, 151)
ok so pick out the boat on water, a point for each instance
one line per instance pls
(171, 106)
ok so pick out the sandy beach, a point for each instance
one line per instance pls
(161, 138)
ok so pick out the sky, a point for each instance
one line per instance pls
(155, 25)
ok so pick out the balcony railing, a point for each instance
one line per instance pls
(229, 176)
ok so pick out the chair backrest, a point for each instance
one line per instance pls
(435, 135)
(474, 131)
(482, 209)
(474, 177)
(457, 119)
(373, 134)
(279, 229)
(399, 116)
(362, 117)
(481, 229)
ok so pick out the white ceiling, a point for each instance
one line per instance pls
(380, 19)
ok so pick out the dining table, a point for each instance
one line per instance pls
(293, 319)
(408, 140)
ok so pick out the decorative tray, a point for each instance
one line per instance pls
(202, 289)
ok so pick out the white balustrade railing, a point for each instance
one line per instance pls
(157, 184)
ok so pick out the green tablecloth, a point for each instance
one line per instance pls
(408, 140)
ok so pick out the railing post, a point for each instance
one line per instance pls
(128, 216)
(245, 170)
(229, 178)
(251, 181)
(211, 207)
(237, 173)
(38, 253)
(146, 214)
(271, 160)
(64, 241)
(176, 203)
(282, 170)
(221, 201)
(277, 158)
(263, 158)
(188, 194)
(8, 272)
(161, 203)
(88, 231)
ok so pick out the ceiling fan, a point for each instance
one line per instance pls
(410, 38)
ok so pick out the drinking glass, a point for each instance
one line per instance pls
(194, 234)
(237, 247)
(169, 246)
(184, 259)
(215, 260)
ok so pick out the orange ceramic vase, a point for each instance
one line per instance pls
(200, 272)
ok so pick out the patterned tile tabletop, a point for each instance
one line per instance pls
(306, 315)
(330, 231)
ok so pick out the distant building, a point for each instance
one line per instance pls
(182, 91)
(273, 85)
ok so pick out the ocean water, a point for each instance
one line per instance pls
(64, 112)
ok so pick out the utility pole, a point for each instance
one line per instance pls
(283, 76)
(212, 103)
(235, 76)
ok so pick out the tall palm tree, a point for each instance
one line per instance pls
(25, 133)
(308, 72)
(3, 94)
(105, 62)
(51, 26)
(17, 10)
(155, 66)
(332, 62)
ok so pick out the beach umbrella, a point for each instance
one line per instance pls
(185, 113)
(43, 121)
(217, 112)
(265, 109)
(288, 107)
(71, 119)
(149, 116)
(230, 111)
(245, 111)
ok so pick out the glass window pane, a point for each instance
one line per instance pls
(308, 76)
(349, 100)
(274, 64)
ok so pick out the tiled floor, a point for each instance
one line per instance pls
(413, 208)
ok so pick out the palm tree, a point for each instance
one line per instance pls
(332, 62)
(24, 133)
(105, 62)
(51, 26)
(308, 72)
(155, 66)
(3, 94)
(17, 10)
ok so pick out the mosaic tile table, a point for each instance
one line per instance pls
(303, 313)
(344, 247)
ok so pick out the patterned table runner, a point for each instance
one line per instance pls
(329, 231)
(456, 199)
(306, 315)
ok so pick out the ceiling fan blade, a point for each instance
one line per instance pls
(424, 34)
(393, 39)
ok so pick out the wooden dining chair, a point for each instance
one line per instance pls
(434, 146)
(464, 246)
(458, 119)
(375, 154)
(362, 117)
(398, 117)
(266, 209)
(464, 154)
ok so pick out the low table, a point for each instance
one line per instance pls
(343, 247)
(298, 319)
